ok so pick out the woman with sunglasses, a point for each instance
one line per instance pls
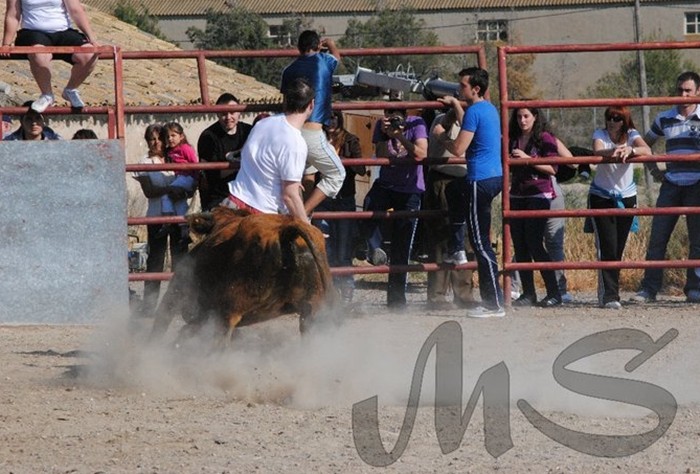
(613, 187)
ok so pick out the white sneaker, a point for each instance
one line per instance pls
(73, 96)
(378, 257)
(481, 312)
(42, 103)
(458, 258)
(612, 305)
(643, 296)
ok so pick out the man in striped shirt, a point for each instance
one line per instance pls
(680, 187)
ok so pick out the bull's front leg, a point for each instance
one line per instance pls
(226, 339)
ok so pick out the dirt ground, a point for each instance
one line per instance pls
(90, 399)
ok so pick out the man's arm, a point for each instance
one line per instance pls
(459, 145)
(291, 195)
(653, 167)
(332, 48)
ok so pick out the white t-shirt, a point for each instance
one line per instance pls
(615, 177)
(49, 16)
(158, 178)
(274, 152)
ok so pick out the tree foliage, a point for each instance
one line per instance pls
(390, 28)
(521, 80)
(240, 29)
(139, 16)
(662, 69)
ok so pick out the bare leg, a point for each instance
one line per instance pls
(84, 64)
(40, 65)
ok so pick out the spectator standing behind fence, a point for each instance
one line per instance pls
(680, 186)
(274, 158)
(6, 125)
(342, 232)
(317, 68)
(480, 137)
(84, 134)
(48, 23)
(184, 182)
(221, 142)
(33, 127)
(399, 186)
(613, 187)
(155, 185)
(532, 189)
(439, 179)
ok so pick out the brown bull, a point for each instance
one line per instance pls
(246, 269)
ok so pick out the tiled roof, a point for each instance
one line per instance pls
(199, 7)
(146, 82)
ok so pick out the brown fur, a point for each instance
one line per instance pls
(248, 268)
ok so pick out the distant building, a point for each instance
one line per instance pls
(457, 22)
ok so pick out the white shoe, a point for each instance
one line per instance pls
(458, 258)
(378, 257)
(567, 298)
(73, 96)
(612, 305)
(42, 103)
(481, 312)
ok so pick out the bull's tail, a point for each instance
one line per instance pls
(289, 234)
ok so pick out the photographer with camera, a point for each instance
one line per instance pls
(400, 186)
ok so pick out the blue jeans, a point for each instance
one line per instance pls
(402, 231)
(341, 233)
(671, 195)
(470, 204)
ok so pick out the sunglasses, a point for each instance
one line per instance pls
(615, 118)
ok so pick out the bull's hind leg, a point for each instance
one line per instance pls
(306, 317)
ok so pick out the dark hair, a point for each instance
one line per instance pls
(158, 130)
(626, 115)
(538, 128)
(477, 77)
(309, 40)
(84, 134)
(177, 128)
(338, 116)
(297, 96)
(260, 116)
(227, 97)
(29, 111)
(689, 76)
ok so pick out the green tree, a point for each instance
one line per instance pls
(239, 29)
(139, 16)
(390, 28)
(662, 68)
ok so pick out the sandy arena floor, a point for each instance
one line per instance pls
(90, 399)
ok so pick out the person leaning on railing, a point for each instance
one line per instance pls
(614, 187)
(680, 186)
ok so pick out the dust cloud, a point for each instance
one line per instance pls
(373, 355)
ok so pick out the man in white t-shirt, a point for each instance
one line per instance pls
(274, 157)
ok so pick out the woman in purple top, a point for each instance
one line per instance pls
(532, 189)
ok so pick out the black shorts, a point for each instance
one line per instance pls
(69, 37)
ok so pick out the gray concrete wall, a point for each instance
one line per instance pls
(63, 255)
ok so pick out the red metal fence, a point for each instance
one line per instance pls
(116, 129)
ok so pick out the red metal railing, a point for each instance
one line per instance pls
(507, 105)
(200, 56)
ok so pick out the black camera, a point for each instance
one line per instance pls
(396, 122)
